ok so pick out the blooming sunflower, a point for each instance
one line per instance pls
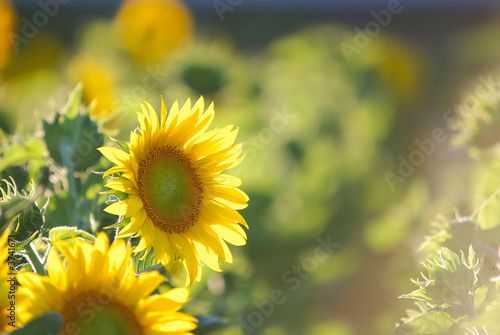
(96, 291)
(179, 200)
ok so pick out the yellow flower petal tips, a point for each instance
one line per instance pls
(96, 291)
(179, 199)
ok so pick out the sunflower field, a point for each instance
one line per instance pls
(249, 167)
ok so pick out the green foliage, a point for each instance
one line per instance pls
(145, 262)
(433, 321)
(73, 138)
(28, 222)
(68, 233)
(449, 279)
(17, 154)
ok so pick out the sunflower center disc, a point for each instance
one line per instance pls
(170, 189)
(93, 313)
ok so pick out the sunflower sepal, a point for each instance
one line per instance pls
(114, 196)
(21, 244)
(144, 261)
(122, 144)
(122, 222)
(158, 268)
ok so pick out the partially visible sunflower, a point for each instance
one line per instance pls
(8, 40)
(99, 85)
(151, 29)
(179, 201)
(96, 291)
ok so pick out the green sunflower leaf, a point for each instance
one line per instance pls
(49, 323)
(434, 321)
(66, 234)
(20, 154)
(489, 215)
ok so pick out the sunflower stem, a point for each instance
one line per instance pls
(35, 260)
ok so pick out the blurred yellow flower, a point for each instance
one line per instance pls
(179, 200)
(150, 29)
(402, 68)
(96, 291)
(99, 84)
(8, 19)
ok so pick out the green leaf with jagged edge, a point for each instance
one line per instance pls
(435, 321)
(67, 233)
(12, 202)
(73, 138)
(48, 323)
(450, 281)
(207, 324)
(489, 214)
(19, 154)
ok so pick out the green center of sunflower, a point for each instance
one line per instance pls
(170, 189)
(93, 313)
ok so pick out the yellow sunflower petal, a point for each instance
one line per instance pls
(122, 185)
(117, 208)
(119, 157)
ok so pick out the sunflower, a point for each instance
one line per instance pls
(96, 292)
(178, 199)
(151, 29)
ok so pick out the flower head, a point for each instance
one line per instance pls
(150, 29)
(96, 291)
(99, 85)
(179, 201)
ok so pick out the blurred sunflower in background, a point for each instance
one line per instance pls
(150, 29)
(114, 302)
(178, 200)
(8, 20)
(99, 85)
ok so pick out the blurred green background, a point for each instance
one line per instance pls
(328, 113)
